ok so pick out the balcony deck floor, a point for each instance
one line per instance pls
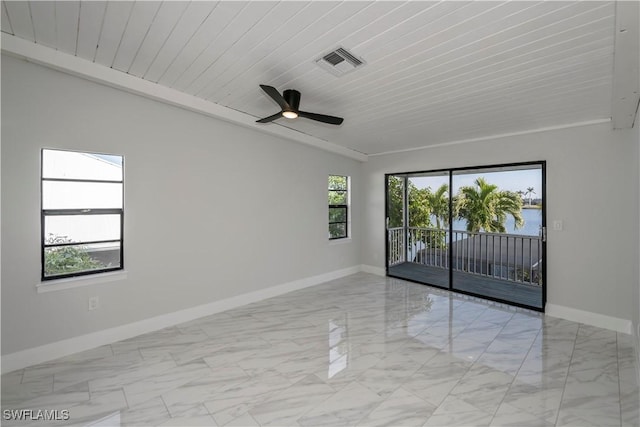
(530, 296)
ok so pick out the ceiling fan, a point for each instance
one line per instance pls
(289, 101)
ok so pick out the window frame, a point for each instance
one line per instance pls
(44, 213)
(344, 206)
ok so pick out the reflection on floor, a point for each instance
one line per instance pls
(362, 350)
(528, 295)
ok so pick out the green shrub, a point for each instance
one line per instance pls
(67, 259)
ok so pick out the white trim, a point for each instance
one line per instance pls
(589, 318)
(341, 241)
(75, 282)
(79, 67)
(44, 353)
(379, 271)
(497, 136)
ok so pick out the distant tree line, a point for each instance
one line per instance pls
(530, 192)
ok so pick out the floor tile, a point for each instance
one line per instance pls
(361, 350)
(141, 391)
(455, 412)
(199, 420)
(483, 387)
(235, 400)
(151, 412)
(508, 415)
(541, 403)
(346, 407)
(401, 408)
(285, 407)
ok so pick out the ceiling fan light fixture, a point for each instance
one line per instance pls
(289, 102)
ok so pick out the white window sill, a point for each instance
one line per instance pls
(340, 241)
(74, 282)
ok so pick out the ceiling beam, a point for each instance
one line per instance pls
(497, 136)
(626, 64)
(79, 67)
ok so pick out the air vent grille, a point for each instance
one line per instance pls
(333, 58)
(339, 61)
(349, 57)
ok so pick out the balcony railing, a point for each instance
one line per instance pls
(397, 246)
(510, 257)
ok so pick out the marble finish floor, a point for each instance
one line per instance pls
(359, 351)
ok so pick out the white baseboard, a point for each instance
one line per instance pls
(47, 352)
(373, 270)
(588, 318)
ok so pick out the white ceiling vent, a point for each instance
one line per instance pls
(339, 62)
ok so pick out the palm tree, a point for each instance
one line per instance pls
(438, 203)
(521, 194)
(484, 207)
(530, 192)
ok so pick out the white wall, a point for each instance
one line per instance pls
(239, 211)
(246, 211)
(592, 185)
(636, 298)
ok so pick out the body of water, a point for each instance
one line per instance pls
(532, 223)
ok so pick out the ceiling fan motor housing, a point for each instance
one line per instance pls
(293, 98)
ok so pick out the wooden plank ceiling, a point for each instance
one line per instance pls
(435, 72)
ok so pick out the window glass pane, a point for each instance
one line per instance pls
(337, 182)
(337, 214)
(79, 258)
(337, 230)
(74, 165)
(81, 195)
(337, 198)
(81, 228)
(395, 205)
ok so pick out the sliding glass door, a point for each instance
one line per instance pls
(477, 230)
(418, 224)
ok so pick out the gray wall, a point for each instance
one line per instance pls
(636, 298)
(592, 185)
(212, 210)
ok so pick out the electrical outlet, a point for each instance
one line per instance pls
(557, 225)
(93, 303)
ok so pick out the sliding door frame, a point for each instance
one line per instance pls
(543, 166)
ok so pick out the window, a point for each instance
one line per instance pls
(338, 207)
(82, 213)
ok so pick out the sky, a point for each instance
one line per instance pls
(116, 160)
(505, 180)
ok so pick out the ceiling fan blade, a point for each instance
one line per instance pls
(270, 118)
(332, 120)
(275, 95)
